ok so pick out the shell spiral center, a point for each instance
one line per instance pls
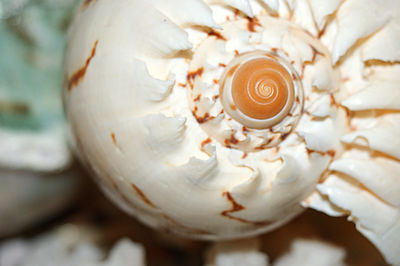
(261, 88)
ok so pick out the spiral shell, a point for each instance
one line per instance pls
(258, 91)
(165, 112)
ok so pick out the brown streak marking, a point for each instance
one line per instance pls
(216, 35)
(205, 142)
(236, 207)
(79, 75)
(113, 138)
(262, 146)
(323, 175)
(333, 100)
(244, 155)
(310, 151)
(197, 98)
(285, 135)
(230, 141)
(201, 119)
(142, 196)
(338, 105)
(315, 53)
(182, 85)
(215, 97)
(236, 52)
(330, 153)
(322, 31)
(252, 23)
(192, 76)
(216, 81)
(222, 65)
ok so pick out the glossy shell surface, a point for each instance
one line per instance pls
(142, 97)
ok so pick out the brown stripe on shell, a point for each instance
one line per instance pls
(201, 119)
(192, 75)
(143, 196)
(236, 207)
(80, 74)
(252, 23)
(216, 35)
(205, 142)
(114, 140)
(231, 140)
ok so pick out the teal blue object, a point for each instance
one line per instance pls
(32, 40)
(37, 179)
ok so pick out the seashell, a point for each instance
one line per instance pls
(159, 100)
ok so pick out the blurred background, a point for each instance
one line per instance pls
(51, 212)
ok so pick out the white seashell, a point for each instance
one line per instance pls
(150, 98)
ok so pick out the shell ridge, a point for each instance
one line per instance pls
(388, 37)
(349, 32)
(373, 218)
(381, 178)
(377, 138)
(190, 12)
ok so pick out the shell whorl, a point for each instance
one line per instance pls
(153, 114)
(258, 90)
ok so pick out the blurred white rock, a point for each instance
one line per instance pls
(236, 253)
(69, 245)
(37, 179)
(312, 253)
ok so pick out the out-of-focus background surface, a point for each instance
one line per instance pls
(51, 213)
